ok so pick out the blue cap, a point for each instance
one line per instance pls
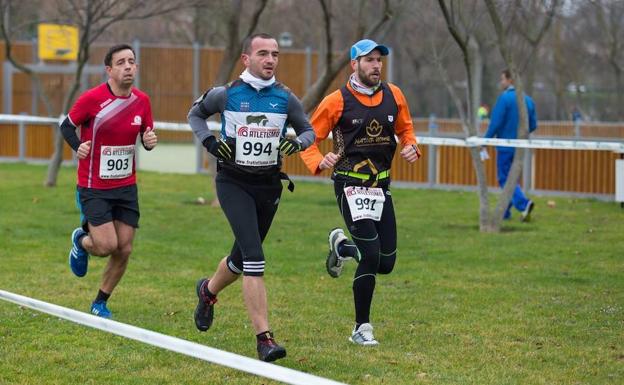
(366, 46)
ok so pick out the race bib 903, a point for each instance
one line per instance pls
(257, 146)
(365, 202)
(116, 162)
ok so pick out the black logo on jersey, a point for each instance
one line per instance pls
(257, 119)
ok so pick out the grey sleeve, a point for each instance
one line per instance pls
(299, 121)
(210, 103)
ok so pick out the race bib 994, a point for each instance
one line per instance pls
(257, 146)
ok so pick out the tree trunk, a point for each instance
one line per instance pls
(618, 90)
(473, 63)
(317, 90)
(474, 50)
(57, 157)
(231, 54)
(315, 93)
(233, 46)
(484, 199)
(516, 165)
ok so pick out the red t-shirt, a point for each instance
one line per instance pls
(112, 124)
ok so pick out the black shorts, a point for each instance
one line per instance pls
(102, 206)
(250, 205)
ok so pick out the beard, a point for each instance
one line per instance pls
(365, 80)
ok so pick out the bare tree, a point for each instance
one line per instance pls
(234, 39)
(532, 30)
(6, 31)
(93, 18)
(333, 65)
(523, 129)
(463, 33)
(609, 17)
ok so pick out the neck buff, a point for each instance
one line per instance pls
(255, 82)
(361, 88)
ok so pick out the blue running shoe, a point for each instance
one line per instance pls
(99, 309)
(78, 256)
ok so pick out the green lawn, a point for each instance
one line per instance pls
(539, 303)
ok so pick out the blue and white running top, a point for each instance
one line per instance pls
(252, 123)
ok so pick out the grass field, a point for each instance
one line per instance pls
(539, 303)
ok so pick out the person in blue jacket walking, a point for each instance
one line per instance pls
(504, 123)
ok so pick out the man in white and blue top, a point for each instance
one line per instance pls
(255, 113)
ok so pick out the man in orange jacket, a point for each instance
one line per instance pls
(364, 116)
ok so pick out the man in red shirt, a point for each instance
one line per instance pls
(110, 117)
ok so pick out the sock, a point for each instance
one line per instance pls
(102, 297)
(348, 249)
(266, 335)
(357, 326)
(208, 292)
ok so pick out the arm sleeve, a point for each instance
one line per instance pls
(323, 120)
(148, 122)
(299, 121)
(210, 103)
(77, 115)
(69, 133)
(404, 128)
(498, 118)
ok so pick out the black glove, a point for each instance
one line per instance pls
(289, 146)
(218, 148)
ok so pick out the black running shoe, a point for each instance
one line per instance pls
(269, 350)
(204, 310)
(526, 214)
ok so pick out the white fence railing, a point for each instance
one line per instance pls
(554, 144)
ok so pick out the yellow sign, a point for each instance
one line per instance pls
(58, 42)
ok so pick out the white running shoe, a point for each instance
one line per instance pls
(363, 335)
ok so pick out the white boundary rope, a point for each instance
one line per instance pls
(472, 141)
(246, 364)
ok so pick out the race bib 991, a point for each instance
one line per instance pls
(116, 161)
(257, 146)
(365, 202)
